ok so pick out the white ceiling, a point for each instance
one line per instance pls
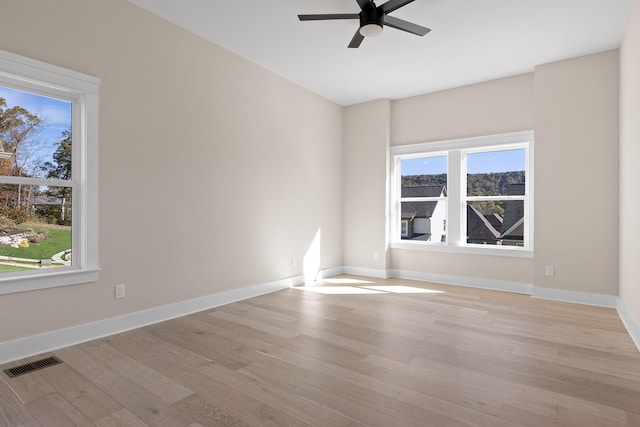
(471, 40)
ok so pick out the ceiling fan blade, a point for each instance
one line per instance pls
(328, 16)
(403, 25)
(392, 5)
(363, 3)
(356, 40)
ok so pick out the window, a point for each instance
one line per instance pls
(423, 197)
(471, 195)
(48, 175)
(405, 228)
(495, 196)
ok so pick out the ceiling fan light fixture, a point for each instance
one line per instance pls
(370, 30)
(372, 18)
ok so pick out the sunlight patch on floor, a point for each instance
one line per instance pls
(364, 289)
(338, 290)
(404, 290)
(346, 281)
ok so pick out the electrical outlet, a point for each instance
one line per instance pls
(294, 261)
(119, 292)
(376, 256)
(549, 270)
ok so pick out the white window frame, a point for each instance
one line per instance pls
(26, 74)
(456, 151)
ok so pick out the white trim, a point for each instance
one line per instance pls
(475, 249)
(50, 341)
(576, 297)
(33, 73)
(366, 272)
(465, 143)
(471, 282)
(82, 91)
(59, 276)
(329, 272)
(629, 322)
(4, 179)
(456, 152)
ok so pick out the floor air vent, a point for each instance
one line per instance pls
(33, 366)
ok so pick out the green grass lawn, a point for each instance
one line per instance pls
(59, 240)
(11, 268)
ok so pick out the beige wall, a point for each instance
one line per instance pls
(203, 153)
(629, 166)
(499, 106)
(576, 167)
(366, 147)
(516, 271)
(213, 171)
(573, 107)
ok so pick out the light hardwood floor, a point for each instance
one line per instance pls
(349, 352)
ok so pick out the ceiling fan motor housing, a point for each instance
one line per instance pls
(371, 15)
(372, 19)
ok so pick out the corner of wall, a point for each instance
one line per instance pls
(366, 147)
(629, 322)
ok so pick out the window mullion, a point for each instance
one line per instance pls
(395, 229)
(493, 198)
(422, 199)
(528, 218)
(456, 187)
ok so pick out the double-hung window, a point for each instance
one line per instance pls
(470, 195)
(48, 175)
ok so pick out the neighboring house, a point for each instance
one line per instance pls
(48, 206)
(40, 202)
(424, 220)
(494, 229)
(480, 229)
(512, 232)
(495, 220)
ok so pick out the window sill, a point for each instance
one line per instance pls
(30, 282)
(504, 251)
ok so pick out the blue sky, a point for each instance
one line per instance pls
(55, 113)
(487, 162)
(425, 166)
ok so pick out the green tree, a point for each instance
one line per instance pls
(17, 127)
(479, 184)
(61, 169)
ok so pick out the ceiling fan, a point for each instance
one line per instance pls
(372, 18)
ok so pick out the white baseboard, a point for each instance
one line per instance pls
(330, 272)
(49, 341)
(601, 300)
(366, 272)
(632, 324)
(37, 344)
(586, 298)
(473, 282)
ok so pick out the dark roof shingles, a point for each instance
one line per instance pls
(424, 209)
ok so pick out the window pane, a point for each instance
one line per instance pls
(496, 173)
(424, 177)
(35, 135)
(424, 171)
(424, 220)
(35, 227)
(496, 222)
